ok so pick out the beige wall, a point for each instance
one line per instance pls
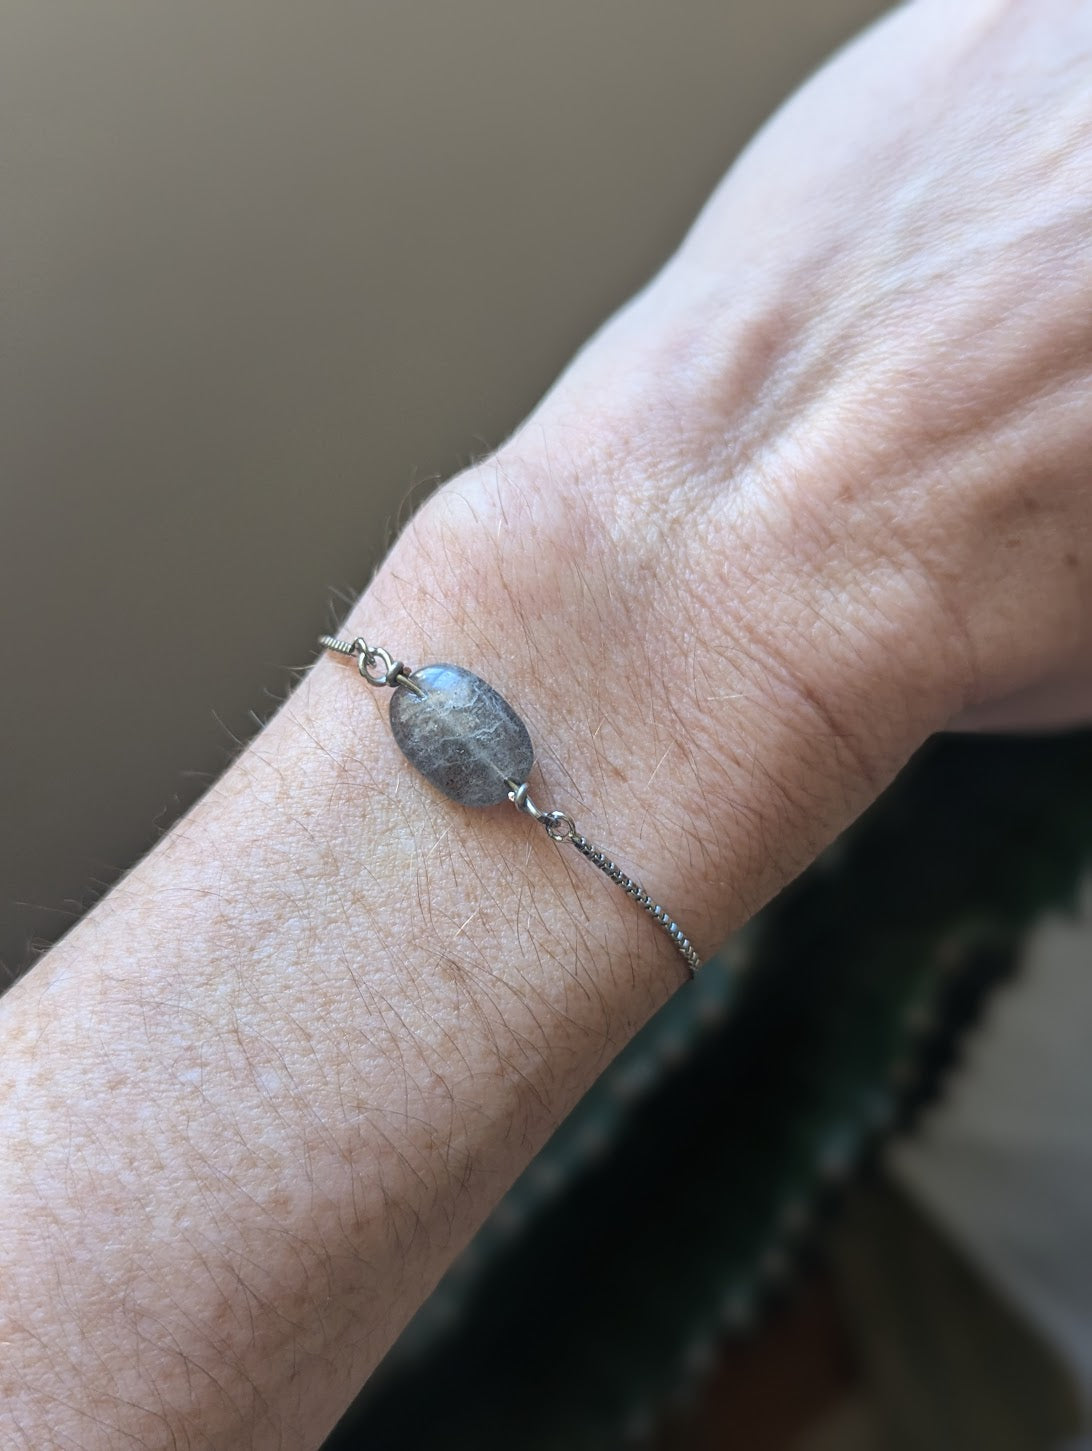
(265, 267)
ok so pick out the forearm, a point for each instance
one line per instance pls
(259, 1097)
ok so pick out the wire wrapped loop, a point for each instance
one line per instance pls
(365, 663)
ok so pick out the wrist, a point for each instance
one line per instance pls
(499, 890)
(709, 699)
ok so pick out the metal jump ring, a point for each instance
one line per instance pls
(559, 825)
(368, 656)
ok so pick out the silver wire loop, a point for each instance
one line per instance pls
(368, 657)
(559, 827)
(394, 671)
(519, 798)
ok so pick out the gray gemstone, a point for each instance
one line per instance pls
(461, 734)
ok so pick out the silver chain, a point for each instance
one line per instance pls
(560, 827)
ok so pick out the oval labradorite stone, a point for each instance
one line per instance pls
(461, 734)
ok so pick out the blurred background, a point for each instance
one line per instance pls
(269, 271)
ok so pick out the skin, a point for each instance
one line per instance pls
(818, 491)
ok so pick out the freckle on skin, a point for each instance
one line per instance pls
(1070, 561)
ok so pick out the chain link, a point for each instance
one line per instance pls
(560, 827)
(659, 915)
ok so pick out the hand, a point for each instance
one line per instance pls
(823, 487)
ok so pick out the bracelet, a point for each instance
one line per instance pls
(466, 739)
